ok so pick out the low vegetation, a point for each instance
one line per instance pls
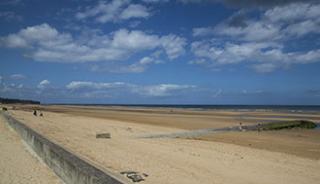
(288, 125)
(17, 101)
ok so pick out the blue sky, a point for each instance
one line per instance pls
(161, 51)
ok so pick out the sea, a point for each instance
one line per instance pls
(290, 108)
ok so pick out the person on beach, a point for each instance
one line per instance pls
(259, 127)
(34, 112)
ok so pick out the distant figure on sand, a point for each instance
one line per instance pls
(259, 127)
(240, 126)
(35, 113)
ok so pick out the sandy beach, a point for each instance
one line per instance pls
(17, 164)
(289, 156)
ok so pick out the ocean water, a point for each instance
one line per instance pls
(290, 108)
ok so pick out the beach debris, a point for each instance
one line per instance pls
(134, 176)
(35, 113)
(4, 109)
(41, 114)
(103, 135)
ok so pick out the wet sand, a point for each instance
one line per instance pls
(17, 164)
(237, 157)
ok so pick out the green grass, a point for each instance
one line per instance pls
(288, 125)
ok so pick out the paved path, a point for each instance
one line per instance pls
(17, 164)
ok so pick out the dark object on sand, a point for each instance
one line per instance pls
(134, 176)
(145, 175)
(35, 113)
(103, 135)
(128, 172)
(288, 125)
(41, 114)
(4, 109)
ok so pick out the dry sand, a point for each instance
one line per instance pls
(182, 160)
(17, 164)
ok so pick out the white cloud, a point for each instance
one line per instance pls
(231, 53)
(202, 31)
(267, 55)
(173, 45)
(114, 11)
(43, 84)
(303, 28)
(249, 33)
(139, 66)
(76, 85)
(17, 76)
(261, 42)
(134, 40)
(45, 43)
(275, 24)
(135, 11)
(293, 12)
(159, 90)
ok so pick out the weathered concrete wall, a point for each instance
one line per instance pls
(70, 168)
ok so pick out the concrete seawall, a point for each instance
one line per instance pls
(70, 168)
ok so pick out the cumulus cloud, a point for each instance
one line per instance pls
(45, 43)
(114, 11)
(261, 42)
(43, 84)
(268, 56)
(276, 23)
(135, 11)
